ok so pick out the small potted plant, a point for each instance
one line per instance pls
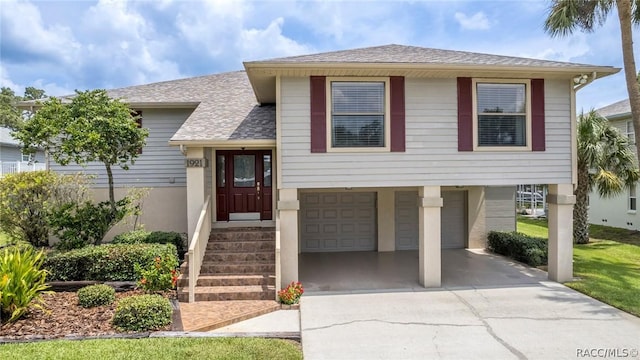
(291, 294)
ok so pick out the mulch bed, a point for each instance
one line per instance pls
(63, 316)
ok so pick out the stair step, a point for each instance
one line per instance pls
(222, 293)
(238, 268)
(242, 234)
(230, 280)
(228, 256)
(241, 246)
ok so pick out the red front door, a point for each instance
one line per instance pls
(244, 185)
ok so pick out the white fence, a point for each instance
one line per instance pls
(10, 167)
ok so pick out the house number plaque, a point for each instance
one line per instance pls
(196, 163)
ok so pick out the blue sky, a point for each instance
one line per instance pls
(65, 45)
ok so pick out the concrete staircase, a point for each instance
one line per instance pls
(239, 264)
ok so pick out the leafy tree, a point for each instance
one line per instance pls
(10, 116)
(566, 16)
(32, 93)
(605, 162)
(90, 127)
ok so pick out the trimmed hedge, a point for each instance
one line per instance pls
(155, 237)
(112, 262)
(96, 295)
(527, 249)
(142, 313)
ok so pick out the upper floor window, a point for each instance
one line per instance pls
(630, 132)
(358, 113)
(502, 114)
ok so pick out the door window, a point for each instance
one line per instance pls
(244, 170)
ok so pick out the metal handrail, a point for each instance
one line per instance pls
(197, 247)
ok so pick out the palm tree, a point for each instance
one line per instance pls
(605, 162)
(565, 16)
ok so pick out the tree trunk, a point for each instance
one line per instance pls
(112, 197)
(624, 15)
(580, 209)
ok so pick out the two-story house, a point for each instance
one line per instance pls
(375, 149)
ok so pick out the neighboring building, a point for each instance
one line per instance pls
(375, 149)
(621, 210)
(13, 160)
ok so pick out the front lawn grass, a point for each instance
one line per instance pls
(155, 348)
(608, 268)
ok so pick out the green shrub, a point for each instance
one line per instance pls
(161, 275)
(168, 237)
(142, 313)
(111, 262)
(21, 281)
(96, 295)
(156, 237)
(27, 201)
(520, 247)
(132, 237)
(77, 225)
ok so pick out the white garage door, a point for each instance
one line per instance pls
(338, 221)
(453, 220)
(406, 220)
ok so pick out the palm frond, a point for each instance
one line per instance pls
(604, 150)
(566, 16)
(635, 11)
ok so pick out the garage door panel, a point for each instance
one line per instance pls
(344, 222)
(453, 220)
(406, 219)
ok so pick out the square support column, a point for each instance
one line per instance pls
(561, 201)
(287, 228)
(429, 250)
(386, 220)
(195, 189)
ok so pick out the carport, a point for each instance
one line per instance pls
(366, 271)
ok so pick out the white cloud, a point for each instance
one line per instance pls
(224, 31)
(256, 44)
(22, 24)
(5, 81)
(477, 21)
(126, 45)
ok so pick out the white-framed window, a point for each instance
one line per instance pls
(630, 132)
(632, 198)
(502, 114)
(358, 114)
(26, 157)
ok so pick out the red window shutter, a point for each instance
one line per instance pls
(318, 114)
(465, 115)
(396, 84)
(537, 115)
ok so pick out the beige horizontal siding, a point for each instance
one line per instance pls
(500, 208)
(431, 156)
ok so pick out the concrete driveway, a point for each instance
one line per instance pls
(527, 320)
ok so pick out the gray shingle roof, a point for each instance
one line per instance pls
(616, 109)
(227, 107)
(417, 55)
